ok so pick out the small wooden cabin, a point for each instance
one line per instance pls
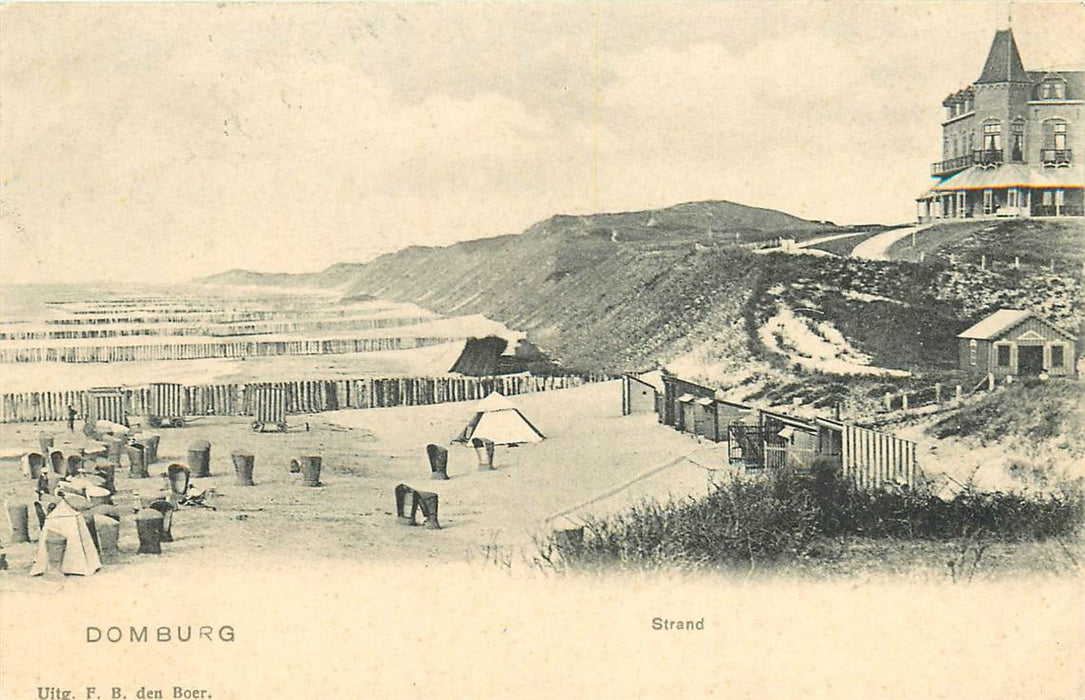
(676, 393)
(166, 404)
(106, 403)
(1019, 343)
(268, 405)
(641, 393)
(789, 441)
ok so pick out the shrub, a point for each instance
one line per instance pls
(745, 522)
(740, 523)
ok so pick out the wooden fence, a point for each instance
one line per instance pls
(311, 396)
(934, 395)
(872, 459)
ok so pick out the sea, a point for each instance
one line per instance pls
(148, 314)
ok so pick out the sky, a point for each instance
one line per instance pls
(157, 142)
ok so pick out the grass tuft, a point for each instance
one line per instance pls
(745, 523)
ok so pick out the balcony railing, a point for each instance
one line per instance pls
(1056, 156)
(988, 157)
(952, 165)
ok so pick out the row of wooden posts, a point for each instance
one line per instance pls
(103, 316)
(212, 349)
(993, 263)
(934, 395)
(226, 329)
(310, 396)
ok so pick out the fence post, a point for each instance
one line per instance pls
(904, 402)
(957, 393)
(990, 381)
(888, 401)
(938, 393)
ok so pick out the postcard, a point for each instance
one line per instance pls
(542, 350)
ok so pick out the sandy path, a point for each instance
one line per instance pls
(809, 243)
(877, 247)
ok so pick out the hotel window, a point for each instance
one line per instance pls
(1011, 197)
(972, 352)
(988, 202)
(1057, 356)
(992, 136)
(1055, 134)
(1053, 90)
(1017, 151)
(1003, 352)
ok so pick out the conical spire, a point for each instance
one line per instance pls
(1003, 61)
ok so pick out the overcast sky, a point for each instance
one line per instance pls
(158, 142)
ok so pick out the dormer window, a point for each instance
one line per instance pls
(1053, 89)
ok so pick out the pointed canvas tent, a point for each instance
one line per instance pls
(497, 418)
(80, 554)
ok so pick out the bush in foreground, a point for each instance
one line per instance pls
(746, 522)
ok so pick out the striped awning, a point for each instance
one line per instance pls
(1012, 175)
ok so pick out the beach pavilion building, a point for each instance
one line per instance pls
(1008, 143)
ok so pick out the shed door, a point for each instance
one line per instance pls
(1030, 360)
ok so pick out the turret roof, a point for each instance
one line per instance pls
(1003, 61)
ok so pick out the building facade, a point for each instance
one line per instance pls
(1019, 343)
(1008, 143)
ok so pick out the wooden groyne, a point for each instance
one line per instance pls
(233, 348)
(310, 396)
(227, 329)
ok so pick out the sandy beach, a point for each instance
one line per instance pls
(593, 461)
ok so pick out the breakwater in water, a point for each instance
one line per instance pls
(76, 325)
(232, 348)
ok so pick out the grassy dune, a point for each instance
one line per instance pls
(622, 292)
(1034, 242)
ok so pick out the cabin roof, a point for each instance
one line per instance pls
(1003, 320)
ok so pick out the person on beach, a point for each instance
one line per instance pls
(71, 419)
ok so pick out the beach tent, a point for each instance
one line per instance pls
(80, 554)
(498, 419)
